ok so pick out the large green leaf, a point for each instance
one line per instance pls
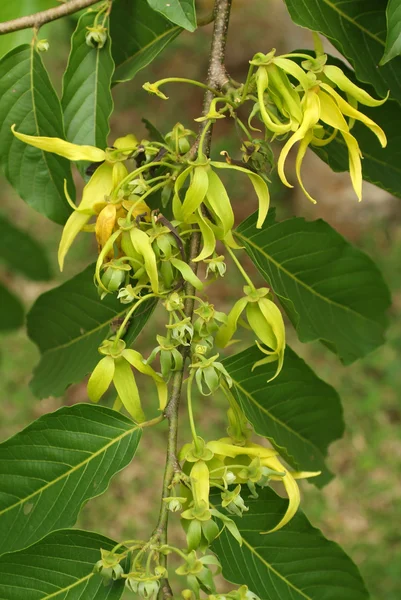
(138, 34)
(357, 29)
(180, 12)
(87, 102)
(298, 412)
(48, 470)
(15, 9)
(330, 290)
(12, 311)
(27, 98)
(68, 324)
(294, 563)
(393, 39)
(59, 566)
(22, 252)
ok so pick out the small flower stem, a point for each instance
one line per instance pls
(133, 174)
(239, 267)
(190, 81)
(129, 314)
(244, 128)
(247, 82)
(191, 413)
(201, 154)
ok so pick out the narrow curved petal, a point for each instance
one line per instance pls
(105, 224)
(352, 112)
(291, 488)
(187, 273)
(218, 201)
(355, 166)
(196, 192)
(75, 223)
(127, 389)
(303, 146)
(61, 147)
(143, 246)
(330, 113)
(336, 75)
(262, 81)
(226, 331)
(136, 360)
(200, 482)
(208, 237)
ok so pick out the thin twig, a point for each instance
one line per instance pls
(216, 78)
(45, 16)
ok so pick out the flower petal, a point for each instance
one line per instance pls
(262, 81)
(105, 224)
(336, 75)
(187, 273)
(200, 482)
(101, 378)
(142, 245)
(259, 185)
(303, 146)
(226, 331)
(218, 201)
(196, 192)
(127, 389)
(355, 166)
(292, 490)
(137, 361)
(61, 147)
(352, 112)
(208, 237)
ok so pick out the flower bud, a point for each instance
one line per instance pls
(96, 37)
(148, 589)
(42, 46)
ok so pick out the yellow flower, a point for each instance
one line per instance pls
(106, 177)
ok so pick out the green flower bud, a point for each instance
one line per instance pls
(96, 37)
(233, 502)
(148, 589)
(42, 46)
(215, 265)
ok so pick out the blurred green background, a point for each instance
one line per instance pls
(361, 507)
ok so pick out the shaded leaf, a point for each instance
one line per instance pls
(180, 12)
(29, 100)
(68, 324)
(297, 412)
(12, 311)
(22, 252)
(393, 39)
(294, 562)
(357, 29)
(59, 566)
(48, 470)
(330, 290)
(139, 34)
(87, 102)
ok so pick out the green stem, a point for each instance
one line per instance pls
(191, 413)
(129, 314)
(138, 171)
(247, 82)
(190, 81)
(239, 267)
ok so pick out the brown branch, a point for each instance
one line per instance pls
(45, 16)
(216, 78)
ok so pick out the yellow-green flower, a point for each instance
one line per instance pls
(265, 320)
(95, 194)
(116, 367)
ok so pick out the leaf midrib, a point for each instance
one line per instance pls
(72, 470)
(299, 282)
(351, 20)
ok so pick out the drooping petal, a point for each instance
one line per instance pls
(99, 186)
(355, 166)
(291, 67)
(352, 112)
(330, 113)
(303, 146)
(208, 237)
(218, 201)
(187, 273)
(336, 75)
(311, 117)
(101, 378)
(227, 330)
(259, 185)
(291, 488)
(179, 182)
(127, 389)
(105, 251)
(196, 192)
(136, 360)
(200, 482)
(262, 81)
(142, 245)
(283, 93)
(61, 147)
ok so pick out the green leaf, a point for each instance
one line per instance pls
(138, 35)
(68, 324)
(59, 566)
(296, 562)
(381, 166)
(13, 10)
(330, 290)
(12, 311)
(87, 102)
(29, 100)
(180, 12)
(393, 39)
(22, 252)
(297, 412)
(48, 470)
(357, 29)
